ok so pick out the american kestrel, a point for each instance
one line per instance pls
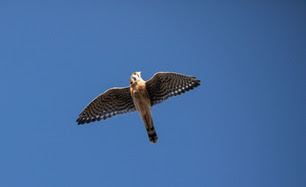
(140, 96)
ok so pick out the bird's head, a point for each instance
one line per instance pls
(135, 77)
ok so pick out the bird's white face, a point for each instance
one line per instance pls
(135, 77)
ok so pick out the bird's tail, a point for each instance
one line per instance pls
(152, 135)
(150, 129)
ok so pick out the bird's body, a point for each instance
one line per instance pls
(142, 103)
(140, 96)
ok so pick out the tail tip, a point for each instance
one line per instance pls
(154, 139)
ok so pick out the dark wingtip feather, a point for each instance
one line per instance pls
(80, 121)
(196, 82)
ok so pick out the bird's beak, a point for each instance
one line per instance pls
(140, 72)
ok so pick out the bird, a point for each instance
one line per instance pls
(139, 96)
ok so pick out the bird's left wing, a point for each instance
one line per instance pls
(110, 103)
(165, 84)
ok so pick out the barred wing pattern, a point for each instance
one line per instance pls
(164, 85)
(112, 102)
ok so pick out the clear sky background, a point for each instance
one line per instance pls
(244, 126)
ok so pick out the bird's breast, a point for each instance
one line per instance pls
(141, 98)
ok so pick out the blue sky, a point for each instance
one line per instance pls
(244, 126)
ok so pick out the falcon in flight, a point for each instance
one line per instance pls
(140, 95)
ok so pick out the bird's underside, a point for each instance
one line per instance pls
(140, 96)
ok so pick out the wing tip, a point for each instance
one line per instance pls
(83, 120)
(196, 82)
(80, 121)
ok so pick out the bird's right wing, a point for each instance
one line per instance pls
(110, 103)
(164, 85)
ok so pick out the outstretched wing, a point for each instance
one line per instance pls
(112, 102)
(164, 85)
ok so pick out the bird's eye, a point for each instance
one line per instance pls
(131, 82)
